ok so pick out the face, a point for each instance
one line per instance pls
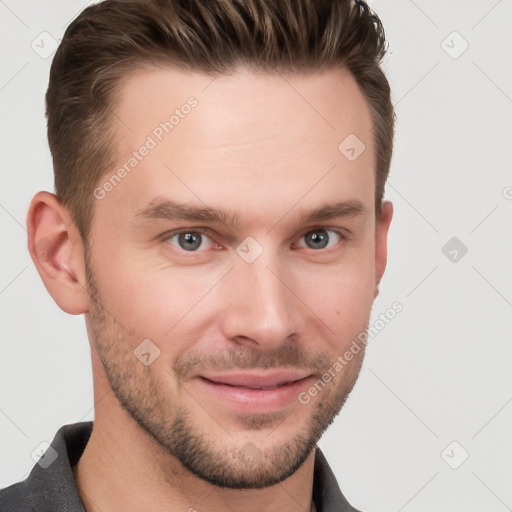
(233, 262)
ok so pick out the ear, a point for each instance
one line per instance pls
(381, 241)
(57, 251)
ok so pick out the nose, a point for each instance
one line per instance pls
(261, 310)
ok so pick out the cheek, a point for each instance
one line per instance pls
(156, 301)
(131, 294)
(341, 295)
(343, 303)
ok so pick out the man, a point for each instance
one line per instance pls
(218, 218)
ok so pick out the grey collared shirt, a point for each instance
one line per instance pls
(51, 487)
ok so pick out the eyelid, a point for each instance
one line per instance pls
(342, 233)
(202, 231)
(337, 229)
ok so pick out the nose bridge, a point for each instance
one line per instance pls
(261, 307)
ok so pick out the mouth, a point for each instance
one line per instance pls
(255, 392)
(261, 380)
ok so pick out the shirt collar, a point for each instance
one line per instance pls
(53, 488)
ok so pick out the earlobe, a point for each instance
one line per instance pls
(381, 241)
(56, 249)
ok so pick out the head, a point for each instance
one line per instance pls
(219, 174)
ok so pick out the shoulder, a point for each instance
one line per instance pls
(51, 486)
(16, 497)
(326, 491)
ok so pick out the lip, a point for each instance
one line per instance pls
(255, 392)
(257, 380)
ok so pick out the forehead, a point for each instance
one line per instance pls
(245, 139)
(316, 106)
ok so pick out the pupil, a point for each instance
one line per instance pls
(318, 240)
(189, 241)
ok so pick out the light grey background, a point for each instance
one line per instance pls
(439, 372)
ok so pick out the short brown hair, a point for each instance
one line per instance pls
(110, 39)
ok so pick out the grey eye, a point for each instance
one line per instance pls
(320, 238)
(189, 240)
(317, 239)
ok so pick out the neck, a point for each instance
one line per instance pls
(124, 468)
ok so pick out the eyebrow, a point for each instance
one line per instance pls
(340, 209)
(171, 210)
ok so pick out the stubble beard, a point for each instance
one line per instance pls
(234, 466)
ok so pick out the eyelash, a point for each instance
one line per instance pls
(344, 237)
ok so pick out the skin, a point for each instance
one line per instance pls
(252, 146)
